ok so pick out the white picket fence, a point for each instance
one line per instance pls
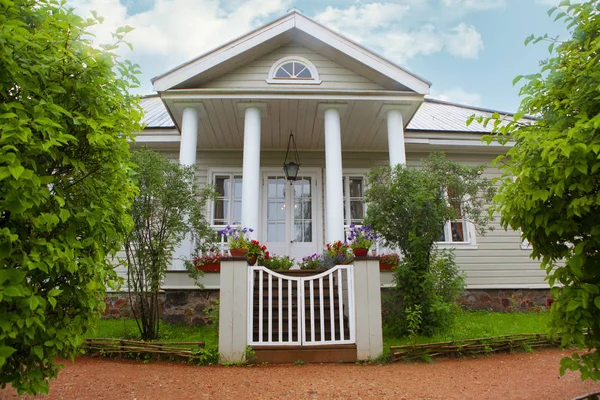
(318, 308)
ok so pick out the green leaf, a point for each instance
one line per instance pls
(34, 302)
(38, 351)
(16, 170)
(588, 287)
(13, 291)
(597, 301)
(7, 351)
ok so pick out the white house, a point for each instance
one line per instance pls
(230, 113)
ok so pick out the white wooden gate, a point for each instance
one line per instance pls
(297, 310)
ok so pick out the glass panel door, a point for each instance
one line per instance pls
(289, 224)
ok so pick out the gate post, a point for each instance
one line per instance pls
(233, 309)
(367, 295)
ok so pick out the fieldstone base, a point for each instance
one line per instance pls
(117, 305)
(186, 307)
(506, 299)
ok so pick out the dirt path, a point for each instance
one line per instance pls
(505, 376)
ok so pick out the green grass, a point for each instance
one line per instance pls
(127, 329)
(481, 324)
(468, 325)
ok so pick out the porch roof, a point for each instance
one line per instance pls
(433, 116)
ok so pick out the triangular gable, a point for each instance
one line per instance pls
(252, 75)
(298, 28)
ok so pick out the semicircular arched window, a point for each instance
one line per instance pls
(295, 70)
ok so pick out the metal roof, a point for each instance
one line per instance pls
(155, 113)
(433, 115)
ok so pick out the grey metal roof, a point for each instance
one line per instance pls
(433, 115)
(155, 113)
(437, 115)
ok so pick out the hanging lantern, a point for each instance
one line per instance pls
(291, 168)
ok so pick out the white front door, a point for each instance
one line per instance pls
(291, 225)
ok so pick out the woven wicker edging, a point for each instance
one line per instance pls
(472, 347)
(121, 347)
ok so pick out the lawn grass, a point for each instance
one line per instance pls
(127, 329)
(468, 325)
(481, 324)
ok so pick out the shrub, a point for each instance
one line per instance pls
(435, 292)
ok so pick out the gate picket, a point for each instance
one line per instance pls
(267, 328)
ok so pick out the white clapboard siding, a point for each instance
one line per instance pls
(254, 74)
(498, 261)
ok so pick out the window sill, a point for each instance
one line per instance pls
(457, 245)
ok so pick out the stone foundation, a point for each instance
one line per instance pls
(186, 307)
(506, 299)
(117, 306)
(178, 307)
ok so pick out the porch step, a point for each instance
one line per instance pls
(310, 354)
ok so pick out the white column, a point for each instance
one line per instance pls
(189, 136)
(251, 170)
(395, 128)
(187, 156)
(334, 224)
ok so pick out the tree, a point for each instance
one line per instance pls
(552, 178)
(65, 120)
(409, 207)
(169, 205)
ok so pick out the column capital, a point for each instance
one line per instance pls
(198, 106)
(322, 107)
(243, 106)
(386, 108)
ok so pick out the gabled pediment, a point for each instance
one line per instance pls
(294, 29)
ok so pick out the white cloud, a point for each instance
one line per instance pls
(359, 20)
(475, 4)
(464, 41)
(180, 29)
(398, 30)
(460, 96)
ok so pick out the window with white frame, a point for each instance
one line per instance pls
(459, 230)
(227, 207)
(354, 200)
(294, 70)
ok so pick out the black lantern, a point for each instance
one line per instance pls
(291, 168)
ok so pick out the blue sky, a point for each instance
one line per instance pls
(469, 49)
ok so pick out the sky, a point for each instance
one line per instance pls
(470, 50)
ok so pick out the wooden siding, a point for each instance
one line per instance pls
(497, 262)
(254, 74)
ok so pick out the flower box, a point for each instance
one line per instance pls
(383, 266)
(212, 267)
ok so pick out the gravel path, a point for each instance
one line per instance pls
(504, 376)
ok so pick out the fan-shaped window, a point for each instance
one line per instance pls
(296, 70)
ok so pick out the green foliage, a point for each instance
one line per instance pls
(169, 205)
(408, 207)
(423, 302)
(212, 312)
(66, 118)
(277, 262)
(551, 190)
